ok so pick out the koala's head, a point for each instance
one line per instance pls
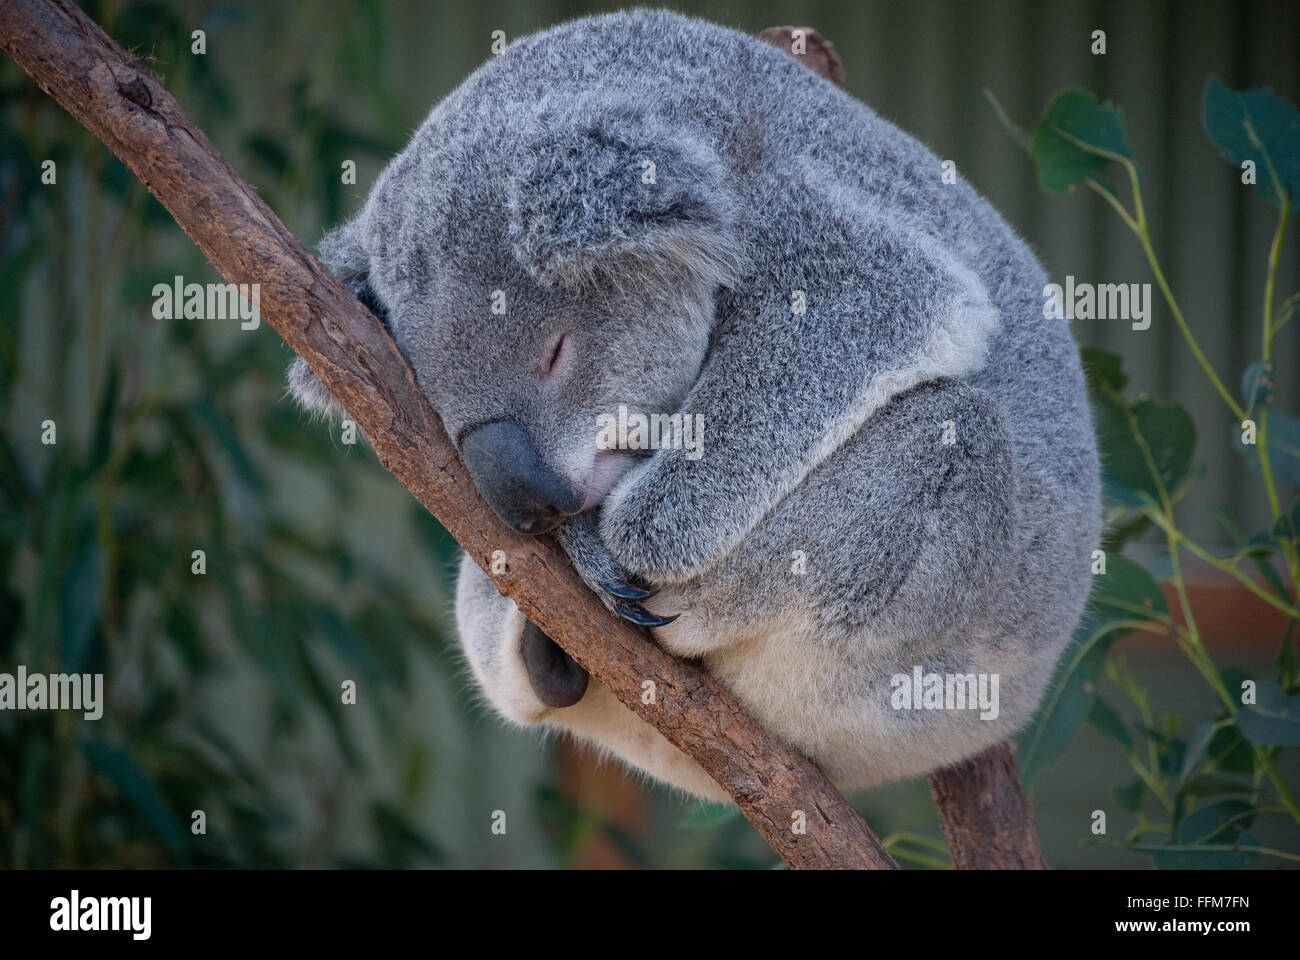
(538, 275)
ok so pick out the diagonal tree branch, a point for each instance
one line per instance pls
(349, 350)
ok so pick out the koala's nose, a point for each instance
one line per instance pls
(514, 480)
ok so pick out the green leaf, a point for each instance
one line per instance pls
(1283, 447)
(1170, 751)
(102, 443)
(1258, 126)
(1218, 822)
(1185, 856)
(1213, 784)
(1260, 548)
(1127, 590)
(117, 766)
(1273, 720)
(1196, 748)
(79, 611)
(1075, 139)
(1100, 366)
(1257, 384)
(1126, 479)
(1130, 797)
(1171, 436)
(1124, 593)
(1167, 431)
(1103, 716)
(1069, 699)
(1228, 750)
(223, 432)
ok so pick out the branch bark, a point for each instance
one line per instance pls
(986, 818)
(349, 350)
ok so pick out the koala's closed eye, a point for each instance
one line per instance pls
(554, 355)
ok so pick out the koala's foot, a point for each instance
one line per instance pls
(615, 587)
(523, 672)
(556, 678)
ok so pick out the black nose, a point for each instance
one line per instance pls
(514, 480)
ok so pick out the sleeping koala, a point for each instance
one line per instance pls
(645, 214)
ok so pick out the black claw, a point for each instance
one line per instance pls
(642, 617)
(626, 590)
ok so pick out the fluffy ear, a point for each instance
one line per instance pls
(607, 192)
(342, 252)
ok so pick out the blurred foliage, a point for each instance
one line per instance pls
(1199, 789)
(167, 436)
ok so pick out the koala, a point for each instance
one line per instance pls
(645, 215)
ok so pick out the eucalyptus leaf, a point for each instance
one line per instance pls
(1069, 699)
(1075, 139)
(1218, 822)
(1130, 797)
(1212, 784)
(1126, 589)
(1283, 447)
(1257, 384)
(1101, 366)
(1103, 716)
(1273, 720)
(1189, 856)
(1258, 126)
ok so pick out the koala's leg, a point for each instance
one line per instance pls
(906, 548)
(906, 531)
(523, 672)
(529, 680)
(884, 308)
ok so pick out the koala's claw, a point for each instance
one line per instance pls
(635, 613)
(626, 590)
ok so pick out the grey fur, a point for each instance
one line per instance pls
(825, 428)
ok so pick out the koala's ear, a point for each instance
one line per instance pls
(600, 191)
(342, 252)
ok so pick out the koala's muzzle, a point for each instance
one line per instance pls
(514, 480)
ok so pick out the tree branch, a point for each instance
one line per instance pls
(349, 350)
(985, 816)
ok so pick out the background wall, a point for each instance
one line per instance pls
(177, 435)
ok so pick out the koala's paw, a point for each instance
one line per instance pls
(615, 587)
(661, 527)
